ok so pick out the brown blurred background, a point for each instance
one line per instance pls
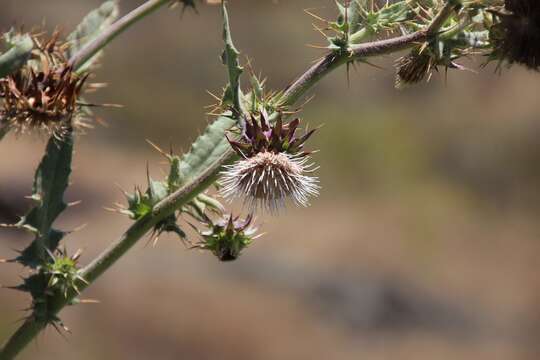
(424, 243)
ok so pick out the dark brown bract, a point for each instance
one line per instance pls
(516, 37)
(260, 136)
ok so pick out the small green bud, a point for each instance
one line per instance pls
(227, 237)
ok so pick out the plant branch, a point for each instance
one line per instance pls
(173, 202)
(333, 60)
(118, 27)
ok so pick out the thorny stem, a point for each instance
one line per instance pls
(118, 27)
(357, 52)
(31, 328)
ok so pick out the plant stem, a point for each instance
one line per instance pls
(118, 27)
(331, 61)
(173, 202)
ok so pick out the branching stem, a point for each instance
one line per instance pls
(118, 27)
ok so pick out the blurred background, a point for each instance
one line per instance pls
(424, 243)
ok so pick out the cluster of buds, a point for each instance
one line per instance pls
(43, 94)
(60, 275)
(516, 38)
(272, 167)
(63, 273)
(227, 236)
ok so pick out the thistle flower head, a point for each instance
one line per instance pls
(516, 37)
(43, 94)
(227, 236)
(273, 166)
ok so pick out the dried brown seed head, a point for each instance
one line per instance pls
(43, 94)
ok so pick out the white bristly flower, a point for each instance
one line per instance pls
(266, 180)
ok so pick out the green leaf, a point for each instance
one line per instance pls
(50, 182)
(19, 51)
(206, 150)
(90, 28)
(354, 14)
(230, 58)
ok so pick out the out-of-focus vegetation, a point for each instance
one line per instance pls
(423, 245)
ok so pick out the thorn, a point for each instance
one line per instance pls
(112, 209)
(213, 95)
(116, 106)
(77, 255)
(321, 31)
(90, 301)
(372, 64)
(74, 203)
(148, 179)
(317, 46)
(258, 236)
(308, 11)
(158, 149)
(98, 85)
(79, 228)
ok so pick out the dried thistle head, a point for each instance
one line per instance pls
(43, 94)
(413, 68)
(273, 167)
(227, 236)
(516, 37)
(420, 63)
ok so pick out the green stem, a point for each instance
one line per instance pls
(173, 202)
(122, 24)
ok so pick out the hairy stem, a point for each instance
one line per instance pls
(122, 24)
(173, 202)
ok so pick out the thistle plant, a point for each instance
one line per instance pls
(252, 151)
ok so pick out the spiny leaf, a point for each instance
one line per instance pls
(50, 183)
(90, 28)
(230, 58)
(354, 15)
(173, 179)
(19, 51)
(206, 150)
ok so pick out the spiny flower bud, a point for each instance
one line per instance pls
(227, 237)
(420, 63)
(43, 94)
(63, 272)
(272, 168)
(412, 69)
(516, 37)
